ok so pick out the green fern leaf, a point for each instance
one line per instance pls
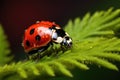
(4, 48)
(100, 23)
(94, 42)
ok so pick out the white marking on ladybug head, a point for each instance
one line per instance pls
(54, 35)
(59, 40)
(57, 27)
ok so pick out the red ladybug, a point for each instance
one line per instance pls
(39, 36)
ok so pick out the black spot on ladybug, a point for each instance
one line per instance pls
(37, 37)
(32, 31)
(27, 43)
(60, 32)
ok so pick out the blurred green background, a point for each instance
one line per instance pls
(17, 15)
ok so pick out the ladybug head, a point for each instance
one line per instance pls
(61, 37)
(67, 41)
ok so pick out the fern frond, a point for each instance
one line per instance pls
(4, 48)
(94, 42)
(90, 52)
(101, 62)
(94, 25)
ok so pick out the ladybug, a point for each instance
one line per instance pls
(39, 36)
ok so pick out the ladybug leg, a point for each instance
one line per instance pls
(51, 49)
(37, 53)
(32, 54)
(48, 53)
(27, 57)
(40, 50)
